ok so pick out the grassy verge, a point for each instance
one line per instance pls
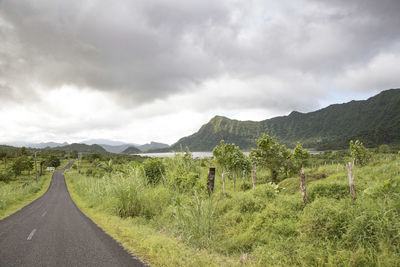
(175, 222)
(17, 194)
(150, 245)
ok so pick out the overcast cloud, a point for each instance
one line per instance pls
(157, 70)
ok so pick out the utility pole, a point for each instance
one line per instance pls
(36, 168)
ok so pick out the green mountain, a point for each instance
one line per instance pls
(152, 145)
(82, 148)
(131, 150)
(374, 121)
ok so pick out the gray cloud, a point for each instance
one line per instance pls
(145, 50)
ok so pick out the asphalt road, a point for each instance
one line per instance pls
(52, 231)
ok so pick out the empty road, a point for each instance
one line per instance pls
(52, 231)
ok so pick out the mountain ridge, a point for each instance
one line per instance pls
(374, 121)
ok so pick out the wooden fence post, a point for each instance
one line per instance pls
(254, 176)
(303, 186)
(210, 181)
(350, 170)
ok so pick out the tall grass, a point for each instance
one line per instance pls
(270, 224)
(15, 192)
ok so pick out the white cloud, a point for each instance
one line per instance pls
(381, 72)
(157, 70)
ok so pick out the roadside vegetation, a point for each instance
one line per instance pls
(162, 210)
(18, 186)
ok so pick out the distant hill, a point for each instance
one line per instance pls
(82, 148)
(115, 149)
(131, 150)
(151, 146)
(106, 142)
(374, 121)
(47, 144)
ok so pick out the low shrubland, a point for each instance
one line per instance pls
(266, 226)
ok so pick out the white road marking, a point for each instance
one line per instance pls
(31, 234)
(44, 213)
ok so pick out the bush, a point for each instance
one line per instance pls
(326, 219)
(331, 190)
(134, 201)
(5, 176)
(154, 170)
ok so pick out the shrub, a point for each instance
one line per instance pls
(5, 176)
(154, 170)
(326, 219)
(331, 190)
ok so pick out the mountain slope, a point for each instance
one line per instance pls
(82, 148)
(131, 150)
(116, 149)
(375, 121)
(151, 146)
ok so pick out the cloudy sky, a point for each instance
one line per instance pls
(157, 70)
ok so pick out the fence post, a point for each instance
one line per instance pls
(350, 170)
(210, 181)
(303, 186)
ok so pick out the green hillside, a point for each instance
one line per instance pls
(82, 148)
(374, 121)
(131, 150)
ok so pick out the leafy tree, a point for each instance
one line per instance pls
(3, 157)
(239, 164)
(359, 153)
(288, 164)
(23, 151)
(18, 166)
(74, 154)
(53, 161)
(300, 156)
(224, 155)
(269, 154)
(28, 165)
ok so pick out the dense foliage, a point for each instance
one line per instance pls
(268, 225)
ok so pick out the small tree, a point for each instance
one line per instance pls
(269, 154)
(53, 161)
(359, 153)
(224, 154)
(239, 164)
(300, 156)
(18, 166)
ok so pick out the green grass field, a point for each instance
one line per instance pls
(176, 223)
(21, 191)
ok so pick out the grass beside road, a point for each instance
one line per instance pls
(18, 193)
(150, 245)
(175, 222)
